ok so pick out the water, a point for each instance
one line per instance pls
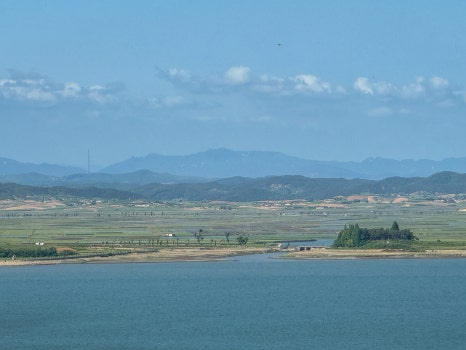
(321, 242)
(248, 303)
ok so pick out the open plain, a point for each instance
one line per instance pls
(112, 231)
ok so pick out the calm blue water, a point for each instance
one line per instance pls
(250, 303)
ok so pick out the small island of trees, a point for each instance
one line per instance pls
(353, 236)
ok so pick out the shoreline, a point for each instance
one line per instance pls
(161, 256)
(325, 253)
(203, 255)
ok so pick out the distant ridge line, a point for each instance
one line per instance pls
(223, 163)
(240, 189)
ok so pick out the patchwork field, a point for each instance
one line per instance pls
(98, 227)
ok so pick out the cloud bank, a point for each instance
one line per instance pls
(239, 85)
(242, 79)
(38, 90)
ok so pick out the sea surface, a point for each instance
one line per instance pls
(252, 302)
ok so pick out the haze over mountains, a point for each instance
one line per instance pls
(221, 163)
(13, 167)
(240, 189)
(223, 174)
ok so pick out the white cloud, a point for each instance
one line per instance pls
(362, 85)
(269, 84)
(238, 84)
(383, 88)
(241, 79)
(179, 74)
(271, 79)
(71, 90)
(7, 82)
(166, 102)
(340, 89)
(448, 103)
(26, 90)
(40, 96)
(35, 89)
(97, 94)
(439, 82)
(237, 75)
(413, 90)
(435, 88)
(308, 82)
(380, 112)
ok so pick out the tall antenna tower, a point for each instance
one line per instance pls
(88, 161)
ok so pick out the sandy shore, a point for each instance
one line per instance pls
(163, 255)
(325, 253)
(196, 254)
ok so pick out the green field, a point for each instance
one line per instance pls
(89, 226)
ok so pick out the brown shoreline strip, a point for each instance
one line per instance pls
(191, 255)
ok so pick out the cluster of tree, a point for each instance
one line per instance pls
(354, 236)
(27, 253)
(242, 240)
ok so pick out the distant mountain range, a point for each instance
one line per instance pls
(223, 174)
(217, 164)
(222, 163)
(10, 167)
(254, 189)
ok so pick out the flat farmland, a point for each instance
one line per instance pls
(83, 224)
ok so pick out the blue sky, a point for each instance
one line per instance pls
(326, 80)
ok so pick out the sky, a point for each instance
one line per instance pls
(322, 80)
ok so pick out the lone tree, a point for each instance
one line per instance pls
(395, 226)
(199, 236)
(227, 236)
(242, 240)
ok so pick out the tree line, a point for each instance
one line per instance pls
(27, 253)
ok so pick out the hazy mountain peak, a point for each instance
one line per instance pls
(224, 163)
(10, 166)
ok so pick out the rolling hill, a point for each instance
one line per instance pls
(15, 191)
(255, 189)
(300, 187)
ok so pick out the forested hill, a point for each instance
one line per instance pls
(266, 188)
(299, 187)
(13, 191)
